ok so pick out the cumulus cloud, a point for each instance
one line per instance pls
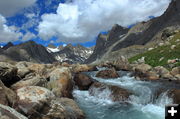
(82, 20)
(28, 36)
(10, 7)
(8, 33)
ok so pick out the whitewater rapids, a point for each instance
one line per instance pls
(141, 105)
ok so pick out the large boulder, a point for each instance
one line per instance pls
(77, 68)
(9, 113)
(60, 82)
(176, 72)
(37, 68)
(116, 93)
(163, 72)
(109, 73)
(30, 81)
(8, 74)
(64, 108)
(142, 68)
(22, 69)
(7, 96)
(32, 99)
(83, 81)
(121, 63)
(151, 75)
(145, 72)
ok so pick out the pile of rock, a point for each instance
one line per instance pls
(37, 91)
(146, 72)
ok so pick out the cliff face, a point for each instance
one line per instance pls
(104, 42)
(141, 34)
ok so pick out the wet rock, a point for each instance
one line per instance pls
(83, 81)
(110, 73)
(60, 82)
(7, 96)
(32, 99)
(175, 94)
(9, 113)
(8, 74)
(64, 108)
(30, 81)
(115, 93)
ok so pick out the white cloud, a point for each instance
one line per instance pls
(82, 20)
(30, 15)
(28, 36)
(8, 33)
(10, 7)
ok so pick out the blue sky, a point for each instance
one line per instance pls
(39, 9)
(70, 21)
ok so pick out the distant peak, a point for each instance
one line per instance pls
(69, 46)
(117, 27)
(51, 46)
(8, 45)
(30, 42)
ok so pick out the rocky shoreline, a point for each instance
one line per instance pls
(44, 91)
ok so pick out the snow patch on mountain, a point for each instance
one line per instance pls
(50, 50)
(70, 53)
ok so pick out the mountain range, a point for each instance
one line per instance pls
(33, 52)
(119, 41)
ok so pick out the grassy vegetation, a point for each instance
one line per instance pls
(164, 53)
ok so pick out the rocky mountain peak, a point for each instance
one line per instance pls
(28, 51)
(8, 45)
(61, 47)
(69, 46)
(51, 46)
(116, 31)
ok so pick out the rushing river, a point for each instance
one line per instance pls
(141, 105)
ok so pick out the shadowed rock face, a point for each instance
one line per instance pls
(170, 18)
(29, 51)
(105, 41)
